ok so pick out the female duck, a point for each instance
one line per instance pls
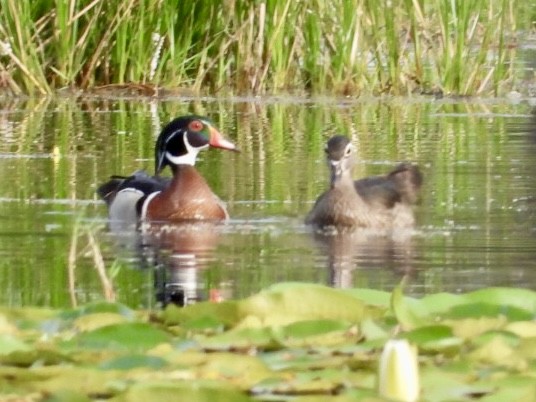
(379, 202)
(184, 197)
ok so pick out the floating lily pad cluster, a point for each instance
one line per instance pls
(299, 342)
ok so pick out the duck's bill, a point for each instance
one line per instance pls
(217, 141)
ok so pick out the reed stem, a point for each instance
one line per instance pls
(343, 46)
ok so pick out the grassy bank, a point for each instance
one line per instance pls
(244, 46)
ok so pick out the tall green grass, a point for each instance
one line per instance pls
(245, 46)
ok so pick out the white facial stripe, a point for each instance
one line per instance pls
(191, 152)
(146, 204)
(186, 159)
(173, 134)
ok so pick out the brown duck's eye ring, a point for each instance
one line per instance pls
(348, 150)
(195, 125)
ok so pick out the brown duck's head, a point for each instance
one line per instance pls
(181, 140)
(340, 154)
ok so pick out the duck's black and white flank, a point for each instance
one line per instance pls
(378, 202)
(184, 197)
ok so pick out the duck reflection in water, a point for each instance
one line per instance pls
(179, 254)
(347, 252)
(177, 216)
(370, 219)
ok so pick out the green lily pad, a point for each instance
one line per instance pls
(130, 336)
(498, 352)
(318, 382)
(523, 329)
(287, 303)
(372, 330)
(44, 356)
(27, 314)
(155, 391)
(27, 319)
(351, 395)
(240, 339)
(372, 297)
(99, 307)
(18, 353)
(435, 338)
(511, 387)
(516, 298)
(93, 321)
(134, 361)
(204, 324)
(304, 359)
(10, 344)
(240, 371)
(527, 348)
(316, 333)
(189, 359)
(526, 393)
(86, 381)
(67, 396)
(429, 333)
(507, 337)
(443, 385)
(196, 316)
(483, 309)
(470, 328)
(439, 303)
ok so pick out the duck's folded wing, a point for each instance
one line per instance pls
(407, 179)
(139, 181)
(124, 196)
(402, 184)
(378, 191)
(145, 183)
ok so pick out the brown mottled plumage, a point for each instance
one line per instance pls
(379, 202)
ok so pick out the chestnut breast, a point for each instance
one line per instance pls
(188, 197)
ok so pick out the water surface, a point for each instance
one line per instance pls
(476, 220)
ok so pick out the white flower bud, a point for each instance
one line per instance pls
(398, 376)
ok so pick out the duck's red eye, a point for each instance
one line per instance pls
(195, 125)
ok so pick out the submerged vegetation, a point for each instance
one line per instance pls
(299, 342)
(242, 46)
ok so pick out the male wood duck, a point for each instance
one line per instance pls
(379, 202)
(184, 197)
